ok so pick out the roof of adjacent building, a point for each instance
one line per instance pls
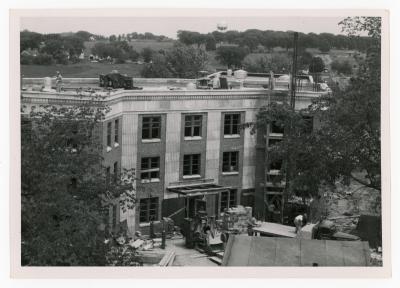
(274, 251)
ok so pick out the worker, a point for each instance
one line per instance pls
(58, 81)
(216, 82)
(300, 221)
(250, 225)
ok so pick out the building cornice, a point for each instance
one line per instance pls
(52, 98)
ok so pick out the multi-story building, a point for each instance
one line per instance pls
(187, 145)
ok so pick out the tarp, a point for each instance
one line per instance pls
(275, 251)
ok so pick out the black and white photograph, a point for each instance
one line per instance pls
(204, 141)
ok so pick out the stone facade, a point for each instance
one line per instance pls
(130, 106)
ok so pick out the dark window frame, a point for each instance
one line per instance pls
(109, 131)
(149, 166)
(227, 158)
(191, 164)
(193, 125)
(116, 131)
(116, 172)
(230, 127)
(148, 209)
(229, 198)
(153, 131)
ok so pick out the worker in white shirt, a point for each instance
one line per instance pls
(300, 221)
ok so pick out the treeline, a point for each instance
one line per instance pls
(138, 36)
(64, 48)
(259, 41)
(61, 48)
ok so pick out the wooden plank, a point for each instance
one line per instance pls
(287, 252)
(263, 252)
(241, 246)
(215, 260)
(334, 253)
(274, 229)
(312, 252)
(228, 250)
(353, 252)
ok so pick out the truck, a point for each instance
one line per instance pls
(323, 230)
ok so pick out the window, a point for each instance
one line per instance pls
(115, 172)
(150, 169)
(151, 127)
(224, 200)
(275, 165)
(308, 121)
(230, 161)
(193, 125)
(109, 134)
(148, 209)
(191, 164)
(116, 131)
(228, 199)
(232, 124)
(272, 142)
(276, 128)
(232, 198)
(108, 175)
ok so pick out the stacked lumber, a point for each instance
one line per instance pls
(168, 259)
(237, 218)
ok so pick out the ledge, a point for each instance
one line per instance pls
(155, 140)
(230, 173)
(191, 176)
(147, 224)
(232, 136)
(195, 138)
(152, 180)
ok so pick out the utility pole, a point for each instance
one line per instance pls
(289, 128)
(294, 72)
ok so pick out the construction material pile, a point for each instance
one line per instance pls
(237, 219)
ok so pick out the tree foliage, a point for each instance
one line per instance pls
(64, 190)
(180, 61)
(252, 38)
(231, 56)
(346, 143)
(267, 62)
(343, 67)
(317, 65)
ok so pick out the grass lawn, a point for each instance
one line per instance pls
(80, 70)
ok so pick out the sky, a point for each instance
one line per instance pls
(169, 26)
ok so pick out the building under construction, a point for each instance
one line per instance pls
(186, 141)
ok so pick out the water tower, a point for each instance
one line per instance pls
(222, 26)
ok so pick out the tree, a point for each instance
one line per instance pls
(84, 35)
(347, 143)
(55, 48)
(157, 69)
(343, 67)
(147, 54)
(113, 38)
(180, 61)
(186, 61)
(305, 59)
(64, 190)
(74, 45)
(275, 62)
(30, 40)
(231, 56)
(324, 46)
(317, 65)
